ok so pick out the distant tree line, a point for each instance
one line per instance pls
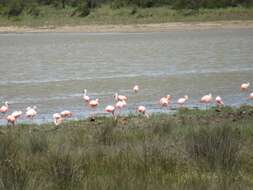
(83, 7)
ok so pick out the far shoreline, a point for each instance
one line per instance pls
(131, 28)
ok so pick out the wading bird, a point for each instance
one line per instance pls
(94, 103)
(244, 86)
(206, 99)
(16, 114)
(219, 102)
(66, 114)
(182, 101)
(58, 119)
(165, 101)
(120, 105)
(142, 110)
(120, 97)
(85, 96)
(31, 112)
(110, 109)
(4, 108)
(11, 119)
(136, 88)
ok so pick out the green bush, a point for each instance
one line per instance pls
(14, 8)
(82, 9)
(33, 9)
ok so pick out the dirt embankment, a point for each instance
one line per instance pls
(162, 27)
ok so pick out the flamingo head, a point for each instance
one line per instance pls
(28, 108)
(186, 97)
(85, 91)
(6, 103)
(168, 97)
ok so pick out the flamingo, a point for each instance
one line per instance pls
(219, 102)
(4, 108)
(110, 109)
(16, 114)
(11, 119)
(58, 119)
(182, 101)
(142, 110)
(245, 86)
(251, 96)
(165, 101)
(120, 97)
(120, 105)
(66, 114)
(31, 112)
(85, 96)
(206, 99)
(94, 103)
(136, 88)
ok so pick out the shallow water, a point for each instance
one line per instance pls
(50, 70)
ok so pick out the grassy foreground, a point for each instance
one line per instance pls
(50, 16)
(192, 149)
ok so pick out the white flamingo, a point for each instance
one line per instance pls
(245, 86)
(182, 101)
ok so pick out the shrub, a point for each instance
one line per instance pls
(14, 8)
(82, 9)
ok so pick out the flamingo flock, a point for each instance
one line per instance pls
(120, 102)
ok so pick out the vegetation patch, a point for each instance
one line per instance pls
(192, 149)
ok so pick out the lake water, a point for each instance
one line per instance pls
(50, 70)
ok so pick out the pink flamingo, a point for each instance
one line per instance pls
(11, 119)
(165, 101)
(120, 105)
(251, 96)
(142, 110)
(58, 119)
(85, 96)
(182, 101)
(136, 88)
(110, 109)
(206, 99)
(120, 97)
(93, 104)
(219, 102)
(16, 114)
(66, 114)
(31, 112)
(4, 109)
(245, 86)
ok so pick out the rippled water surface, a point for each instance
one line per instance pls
(50, 70)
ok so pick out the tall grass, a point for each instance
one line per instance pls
(192, 149)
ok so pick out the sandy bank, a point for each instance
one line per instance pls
(162, 27)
